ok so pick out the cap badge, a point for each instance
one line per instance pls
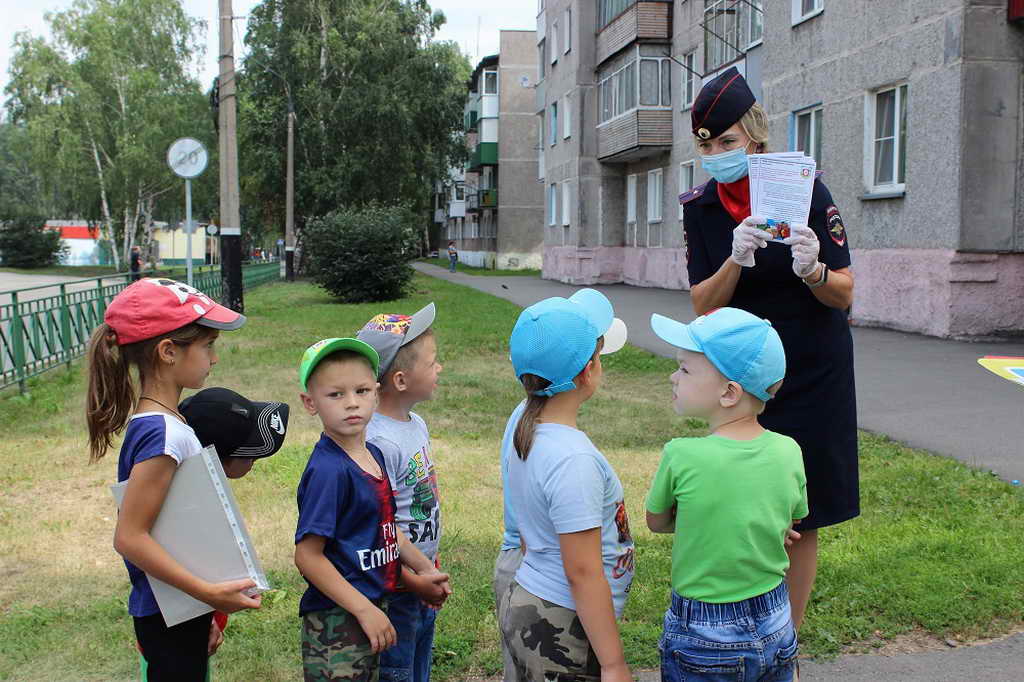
(703, 133)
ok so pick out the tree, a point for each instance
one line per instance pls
(379, 104)
(102, 102)
(25, 243)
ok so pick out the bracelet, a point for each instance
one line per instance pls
(821, 281)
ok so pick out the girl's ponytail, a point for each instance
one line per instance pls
(523, 437)
(111, 396)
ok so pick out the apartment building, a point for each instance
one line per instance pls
(494, 211)
(912, 109)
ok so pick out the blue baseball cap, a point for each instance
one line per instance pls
(555, 338)
(743, 347)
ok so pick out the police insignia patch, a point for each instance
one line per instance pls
(834, 222)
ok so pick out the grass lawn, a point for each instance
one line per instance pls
(937, 549)
(486, 272)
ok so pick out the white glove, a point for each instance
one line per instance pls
(747, 238)
(805, 247)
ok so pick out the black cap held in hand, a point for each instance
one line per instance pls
(720, 104)
(235, 425)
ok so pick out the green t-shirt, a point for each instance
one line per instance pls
(735, 500)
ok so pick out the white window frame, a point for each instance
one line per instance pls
(554, 42)
(741, 24)
(690, 83)
(542, 61)
(496, 86)
(870, 104)
(567, 27)
(566, 119)
(552, 204)
(612, 80)
(631, 199)
(798, 15)
(553, 127)
(664, 76)
(540, 148)
(565, 204)
(815, 132)
(655, 195)
(686, 175)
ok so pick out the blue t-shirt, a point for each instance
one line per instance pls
(148, 435)
(510, 540)
(567, 486)
(355, 512)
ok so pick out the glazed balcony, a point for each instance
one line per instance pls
(635, 135)
(637, 21)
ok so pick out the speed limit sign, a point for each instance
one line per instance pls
(187, 157)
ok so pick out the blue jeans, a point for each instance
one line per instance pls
(410, 657)
(452, 260)
(746, 641)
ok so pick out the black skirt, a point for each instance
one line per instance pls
(817, 407)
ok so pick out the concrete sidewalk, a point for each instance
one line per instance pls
(925, 392)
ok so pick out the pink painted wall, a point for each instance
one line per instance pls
(938, 292)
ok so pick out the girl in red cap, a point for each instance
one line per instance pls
(166, 331)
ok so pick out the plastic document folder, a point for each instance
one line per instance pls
(200, 526)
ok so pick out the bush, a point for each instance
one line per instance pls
(362, 254)
(24, 243)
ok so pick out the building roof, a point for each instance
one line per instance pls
(490, 60)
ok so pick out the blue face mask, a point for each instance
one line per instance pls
(728, 166)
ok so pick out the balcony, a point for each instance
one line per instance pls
(642, 21)
(469, 120)
(484, 154)
(472, 202)
(635, 135)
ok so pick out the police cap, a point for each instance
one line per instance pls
(720, 104)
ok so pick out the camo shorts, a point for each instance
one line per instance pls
(334, 647)
(547, 641)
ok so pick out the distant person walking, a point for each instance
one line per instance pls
(453, 256)
(135, 263)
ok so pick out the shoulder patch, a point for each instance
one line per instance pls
(834, 224)
(691, 194)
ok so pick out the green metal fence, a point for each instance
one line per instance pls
(40, 330)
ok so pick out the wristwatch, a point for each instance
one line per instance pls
(821, 281)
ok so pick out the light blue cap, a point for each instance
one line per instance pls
(743, 347)
(555, 338)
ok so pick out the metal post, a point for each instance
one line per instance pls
(17, 342)
(65, 323)
(230, 221)
(289, 235)
(188, 231)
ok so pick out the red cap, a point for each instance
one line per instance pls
(154, 306)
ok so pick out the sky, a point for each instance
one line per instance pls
(464, 17)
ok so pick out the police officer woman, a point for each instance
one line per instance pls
(803, 286)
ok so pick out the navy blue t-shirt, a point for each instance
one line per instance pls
(355, 512)
(148, 435)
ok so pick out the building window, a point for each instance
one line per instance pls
(565, 204)
(567, 25)
(730, 27)
(540, 145)
(542, 59)
(631, 199)
(552, 204)
(689, 60)
(655, 82)
(460, 192)
(808, 133)
(885, 145)
(617, 92)
(805, 9)
(655, 193)
(566, 118)
(609, 10)
(554, 42)
(685, 181)
(554, 123)
(490, 82)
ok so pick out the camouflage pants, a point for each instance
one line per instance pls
(334, 647)
(547, 641)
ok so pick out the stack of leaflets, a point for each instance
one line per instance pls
(780, 190)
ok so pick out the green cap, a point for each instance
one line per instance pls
(321, 349)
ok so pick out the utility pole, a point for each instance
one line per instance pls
(289, 226)
(230, 221)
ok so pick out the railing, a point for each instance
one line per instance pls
(38, 333)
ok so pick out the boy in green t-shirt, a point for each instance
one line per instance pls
(731, 499)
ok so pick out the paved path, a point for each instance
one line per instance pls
(11, 280)
(928, 393)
